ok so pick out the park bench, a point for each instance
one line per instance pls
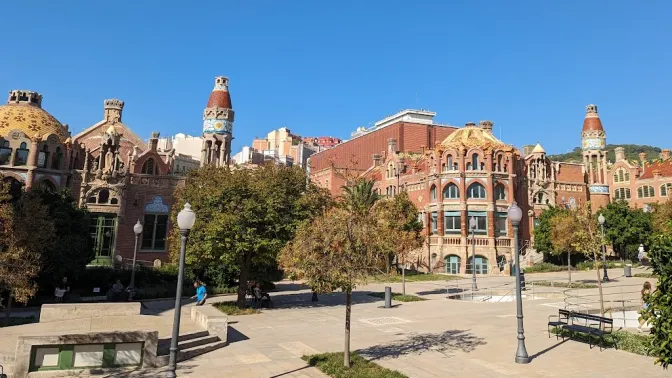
(590, 325)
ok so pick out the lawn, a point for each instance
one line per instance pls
(17, 321)
(331, 364)
(574, 285)
(627, 341)
(230, 308)
(415, 277)
(399, 297)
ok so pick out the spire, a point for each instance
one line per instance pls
(220, 97)
(218, 115)
(592, 121)
(538, 149)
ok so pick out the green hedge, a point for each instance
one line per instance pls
(331, 364)
(545, 267)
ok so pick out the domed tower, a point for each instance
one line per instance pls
(594, 142)
(218, 125)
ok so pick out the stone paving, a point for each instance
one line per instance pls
(435, 338)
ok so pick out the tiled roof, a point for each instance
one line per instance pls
(592, 124)
(665, 168)
(31, 120)
(219, 98)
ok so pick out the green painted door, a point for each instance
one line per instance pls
(103, 232)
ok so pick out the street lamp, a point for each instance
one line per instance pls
(185, 221)
(137, 229)
(604, 249)
(515, 216)
(472, 227)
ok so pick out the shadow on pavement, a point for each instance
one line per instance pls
(532, 357)
(233, 336)
(303, 300)
(445, 343)
(182, 369)
(289, 286)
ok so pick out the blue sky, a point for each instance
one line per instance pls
(327, 67)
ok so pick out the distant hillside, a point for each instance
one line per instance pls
(631, 153)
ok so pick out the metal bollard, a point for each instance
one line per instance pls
(388, 297)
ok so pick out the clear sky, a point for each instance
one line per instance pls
(327, 67)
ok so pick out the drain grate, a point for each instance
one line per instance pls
(384, 321)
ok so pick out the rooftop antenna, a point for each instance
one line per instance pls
(417, 101)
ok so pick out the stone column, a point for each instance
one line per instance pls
(32, 160)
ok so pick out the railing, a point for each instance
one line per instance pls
(502, 242)
(433, 240)
(614, 298)
(452, 240)
(492, 289)
(479, 242)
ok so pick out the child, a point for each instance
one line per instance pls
(646, 290)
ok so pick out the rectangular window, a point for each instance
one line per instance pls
(501, 228)
(451, 221)
(42, 159)
(435, 222)
(154, 232)
(481, 221)
(5, 155)
(21, 157)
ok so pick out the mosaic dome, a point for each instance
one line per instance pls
(474, 136)
(27, 116)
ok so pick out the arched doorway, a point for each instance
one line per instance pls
(15, 187)
(480, 265)
(47, 186)
(452, 263)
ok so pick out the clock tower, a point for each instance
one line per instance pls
(593, 144)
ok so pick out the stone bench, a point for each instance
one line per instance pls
(210, 318)
(66, 311)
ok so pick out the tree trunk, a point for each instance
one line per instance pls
(348, 309)
(403, 279)
(314, 297)
(599, 283)
(569, 267)
(242, 280)
(8, 310)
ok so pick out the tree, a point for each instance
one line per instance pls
(659, 311)
(578, 229)
(360, 197)
(72, 249)
(563, 228)
(625, 226)
(336, 251)
(401, 229)
(543, 241)
(244, 217)
(21, 247)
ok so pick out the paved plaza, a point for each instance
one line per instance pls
(435, 338)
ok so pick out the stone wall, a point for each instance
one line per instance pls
(59, 312)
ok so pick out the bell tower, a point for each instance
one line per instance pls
(218, 119)
(594, 143)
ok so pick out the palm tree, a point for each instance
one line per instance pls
(360, 196)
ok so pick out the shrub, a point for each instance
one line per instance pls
(545, 267)
(230, 308)
(332, 365)
(399, 297)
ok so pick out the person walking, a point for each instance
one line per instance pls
(201, 293)
(646, 290)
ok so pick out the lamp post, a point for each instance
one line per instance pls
(472, 227)
(185, 221)
(515, 216)
(604, 249)
(137, 229)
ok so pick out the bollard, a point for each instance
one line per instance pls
(388, 297)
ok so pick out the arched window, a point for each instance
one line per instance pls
(621, 175)
(476, 191)
(480, 265)
(622, 194)
(5, 153)
(645, 191)
(665, 189)
(499, 163)
(500, 192)
(103, 196)
(451, 191)
(452, 264)
(474, 162)
(43, 157)
(432, 193)
(21, 157)
(450, 162)
(148, 167)
(58, 157)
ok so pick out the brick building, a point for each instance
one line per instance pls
(459, 176)
(110, 170)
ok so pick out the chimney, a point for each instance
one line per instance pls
(656, 173)
(620, 153)
(642, 159)
(486, 125)
(391, 146)
(113, 108)
(666, 154)
(377, 159)
(154, 141)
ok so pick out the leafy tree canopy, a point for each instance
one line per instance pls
(543, 241)
(244, 216)
(631, 153)
(625, 226)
